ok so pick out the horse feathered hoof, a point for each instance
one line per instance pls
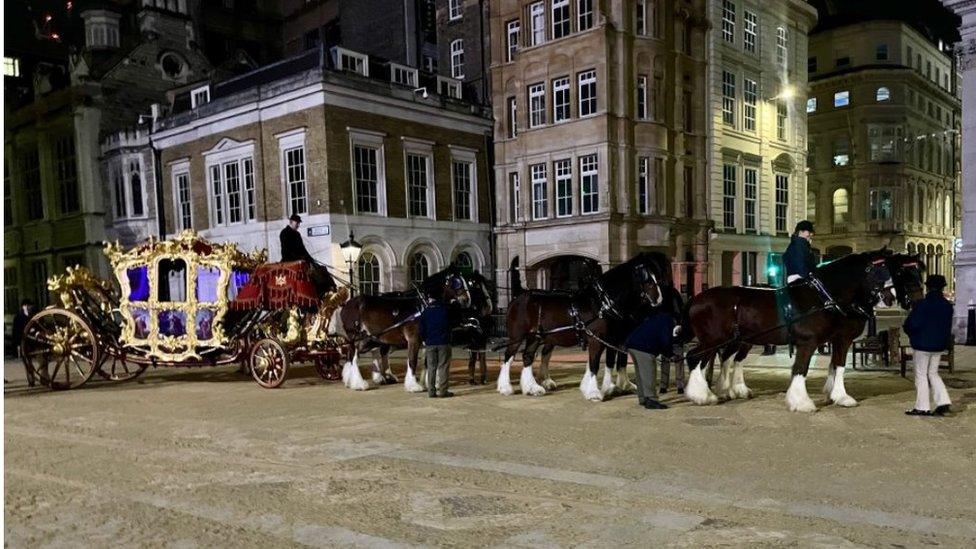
(549, 384)
(806, 407)
(740, 391)
(390, 379)
(797, 399)
(846, 401)
(590, 389)
(697, 389)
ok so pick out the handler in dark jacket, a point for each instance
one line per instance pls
(293, 249)
(929, 329)
(436, 323)
(798, 258)
(653, 337)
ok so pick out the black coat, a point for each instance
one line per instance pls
(292, 246)
(17, 329)
(929, 325)
(798, 258)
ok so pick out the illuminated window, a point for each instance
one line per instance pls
(11, 66)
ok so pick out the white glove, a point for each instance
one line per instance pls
(791, 278)
(676, 331)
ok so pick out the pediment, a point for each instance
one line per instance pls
(227, 144)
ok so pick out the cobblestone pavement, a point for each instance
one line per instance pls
(186, 458)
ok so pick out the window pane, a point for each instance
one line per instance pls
(295, 180)
(417, 184)
(564, 188)
(367, 183)
(589, 184)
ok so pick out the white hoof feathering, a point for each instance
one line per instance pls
(549, 384)
(724, 386)
(410, 384)
(589, 387)
(838, 393)
(697, 389)
(829, 383)
(528, 383)
(504, 383)
(355, 379)
(739, 388)
(623, 384)
(346, 368)
(607, 386)
(377, 376)
(797, 399)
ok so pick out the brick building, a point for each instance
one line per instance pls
(600, 137)
(332, 135)
(885, 115)
(463, 44)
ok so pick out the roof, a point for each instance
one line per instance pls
(929, 17)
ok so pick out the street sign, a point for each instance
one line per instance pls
(318, 230)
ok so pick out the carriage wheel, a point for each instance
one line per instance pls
(269, 363)
(116, 368)
(60, 349)
(328, 368)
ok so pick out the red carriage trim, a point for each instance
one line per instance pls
(277, 286)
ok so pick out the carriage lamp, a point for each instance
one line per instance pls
(350, 252)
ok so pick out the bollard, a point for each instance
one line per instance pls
(971, 324)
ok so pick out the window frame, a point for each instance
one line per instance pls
(196, 93)
(729, 196)
(469, 158)
(561, 86)
(183, 209)
(513, 31)
(728, 98)
(537, 104)
(539, 181)
(781, 212)
(590, 174)
(750, 32)
(728, 21)
(782, 46)
(562, 171)
(641, 112)
(424, 150)
(555, 7)
(586, 80)
(750, 190)
(537, 23)
(749, 108)
(288, 142)
(368, 139)
(457, 58)
(585, 18)
(454, 11)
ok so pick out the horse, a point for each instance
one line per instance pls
(387, 321)
(831, 305)
(600, 313)
(474, 333)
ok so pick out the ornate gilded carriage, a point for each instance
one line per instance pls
(177, 303)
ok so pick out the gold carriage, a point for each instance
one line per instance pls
(172, 306)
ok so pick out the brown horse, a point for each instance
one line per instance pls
(603, 311)
(832, 305)
(388, 321)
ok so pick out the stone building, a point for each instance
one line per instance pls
(757, 180)
(463, 46)
(346, 142)
(965, 259)
(884, 118)
(600, 137)
(60, 107)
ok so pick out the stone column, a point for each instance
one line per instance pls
(965, 265)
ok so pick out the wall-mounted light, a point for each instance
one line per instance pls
(422, 92)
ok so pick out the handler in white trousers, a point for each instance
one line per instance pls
(929, 329)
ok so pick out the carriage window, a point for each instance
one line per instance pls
(138, 283)
(172, 323)
(204, 324)
(207, 279)
(171, 284)
(140, 318)
(237, 281)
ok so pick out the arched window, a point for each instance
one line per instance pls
(419, 269)
(947, 211)
(911, 248)
(369, 274)
(135, 189)
(883, 94)
(811, 206)
(464, 262)
(939, 260)
(840, 203)
(920, 206)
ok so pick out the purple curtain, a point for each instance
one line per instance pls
(138, 283)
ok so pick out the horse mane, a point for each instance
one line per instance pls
(850, 268)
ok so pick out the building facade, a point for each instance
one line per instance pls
(463, 46)
(884, 116)
(599, 137)
(344, 142)
(65, 103)
(758, 136)
(965, 259)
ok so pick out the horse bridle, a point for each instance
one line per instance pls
(879, 285)
(905, 299)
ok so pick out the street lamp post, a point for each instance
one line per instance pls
(350, 252)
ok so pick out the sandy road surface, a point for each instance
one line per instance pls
(204, 458)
